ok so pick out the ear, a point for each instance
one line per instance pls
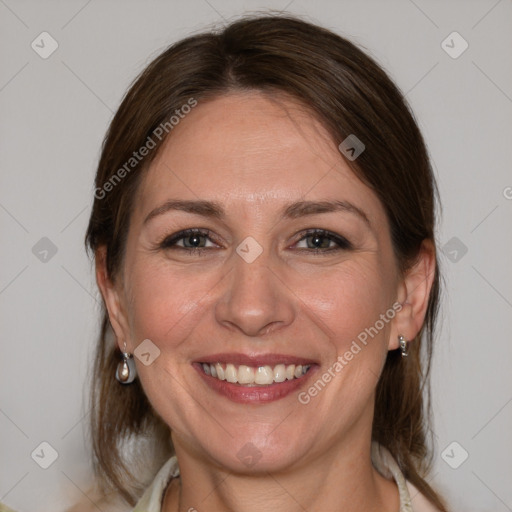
(111, 293)
(413, 295)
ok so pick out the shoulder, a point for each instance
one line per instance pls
(151, 500)
(5, 508)
(411, 499)
(418, 501)
(94, 500)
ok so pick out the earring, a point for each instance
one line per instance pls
(403, 345)
(125, 373)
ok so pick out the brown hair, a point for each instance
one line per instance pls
(350, 94)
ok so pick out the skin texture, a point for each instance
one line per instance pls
(254, 154)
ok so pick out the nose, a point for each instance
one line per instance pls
(256, 300)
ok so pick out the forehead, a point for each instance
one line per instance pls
(254, 149)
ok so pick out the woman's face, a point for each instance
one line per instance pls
(276, 280)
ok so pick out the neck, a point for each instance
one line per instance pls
(344, 479)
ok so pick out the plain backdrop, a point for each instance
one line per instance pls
(54, 113)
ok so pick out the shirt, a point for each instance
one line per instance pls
(411, 500)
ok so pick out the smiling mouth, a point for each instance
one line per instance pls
(254, 376)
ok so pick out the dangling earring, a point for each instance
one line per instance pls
(125, 372)
(403, 345)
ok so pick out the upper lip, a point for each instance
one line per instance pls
(255, 360)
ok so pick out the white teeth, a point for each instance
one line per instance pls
(280, 373)
(245, 374)
(264, 375)
(248, 375)
(220, 372)
(230, 373)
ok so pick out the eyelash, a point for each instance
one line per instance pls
(170, 241)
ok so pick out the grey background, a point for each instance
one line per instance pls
(54, 113)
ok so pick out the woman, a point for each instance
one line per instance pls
(263, 231)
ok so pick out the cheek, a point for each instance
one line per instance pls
(352, 303)
(351, 298)
(165, 307)
(170, 306)
(160, 302)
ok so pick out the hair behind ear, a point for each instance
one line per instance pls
(119, 414)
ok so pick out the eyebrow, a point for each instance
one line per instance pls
(295, 210)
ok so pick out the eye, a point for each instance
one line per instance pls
(188, 240)
(319, 240)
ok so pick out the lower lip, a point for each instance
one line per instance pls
(254, 394)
